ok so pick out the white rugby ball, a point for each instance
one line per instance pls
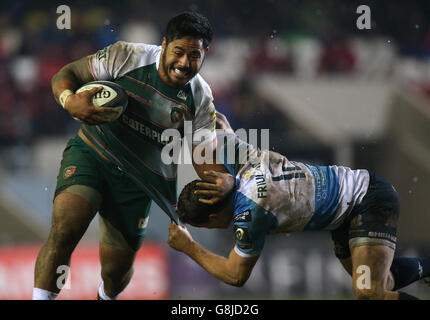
(112, 95)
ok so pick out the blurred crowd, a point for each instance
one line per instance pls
(305, 39)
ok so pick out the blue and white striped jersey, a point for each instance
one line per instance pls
(276, 195)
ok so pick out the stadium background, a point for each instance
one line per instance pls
(328, 92)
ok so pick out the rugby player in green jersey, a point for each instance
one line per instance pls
(115, 168)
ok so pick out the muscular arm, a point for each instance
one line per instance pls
(71, 76)
(219, 183)
(222, 185)
(221, 124)
(234, 270)
(201, 168)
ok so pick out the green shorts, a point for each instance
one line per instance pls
(122, 205)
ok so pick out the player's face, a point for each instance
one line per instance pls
(219, 220)
(181, 60)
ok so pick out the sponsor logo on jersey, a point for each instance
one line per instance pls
(260, 180)
(242, 237)
(239, 234)
(69, 171)
(147, 132)
(247, 175)
(101, 54)
(143, 223)
(243, 216)
(176, 114)
(182, 95)
(380, 235)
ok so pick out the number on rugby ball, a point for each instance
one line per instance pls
(112, 95)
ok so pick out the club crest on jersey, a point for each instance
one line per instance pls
(176, 114)
(69, 171)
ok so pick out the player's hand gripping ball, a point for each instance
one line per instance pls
(112, 95)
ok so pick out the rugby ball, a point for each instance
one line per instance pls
(112, 95)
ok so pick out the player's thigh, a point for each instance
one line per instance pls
(71, 212)
(124, 217)
(78, 192)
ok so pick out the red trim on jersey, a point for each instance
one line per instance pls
(131, 94)
(156, 91)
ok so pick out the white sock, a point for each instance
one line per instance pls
(103, 295)
(41, 294)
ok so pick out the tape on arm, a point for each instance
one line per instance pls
(63, 97)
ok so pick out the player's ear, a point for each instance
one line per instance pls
(219, 219)
(214, 218)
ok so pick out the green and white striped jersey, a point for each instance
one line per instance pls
(133, 142)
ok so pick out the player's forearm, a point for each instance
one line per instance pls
(200, 168)
(71, 77)
(206, 165)
(215, 265)
(61, 81)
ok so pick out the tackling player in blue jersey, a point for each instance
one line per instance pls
(274, 195)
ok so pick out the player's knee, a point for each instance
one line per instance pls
(62, 236)
(70, 220)
(116, 271)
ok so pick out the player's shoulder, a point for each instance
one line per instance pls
(200, 88)
(141, 50)
(198, 80)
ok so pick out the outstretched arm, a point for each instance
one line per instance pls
(234, 270)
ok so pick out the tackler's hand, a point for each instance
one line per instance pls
(179, 237)
(218, 185)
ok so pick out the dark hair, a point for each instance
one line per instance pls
(191, 210)
(189, 24)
